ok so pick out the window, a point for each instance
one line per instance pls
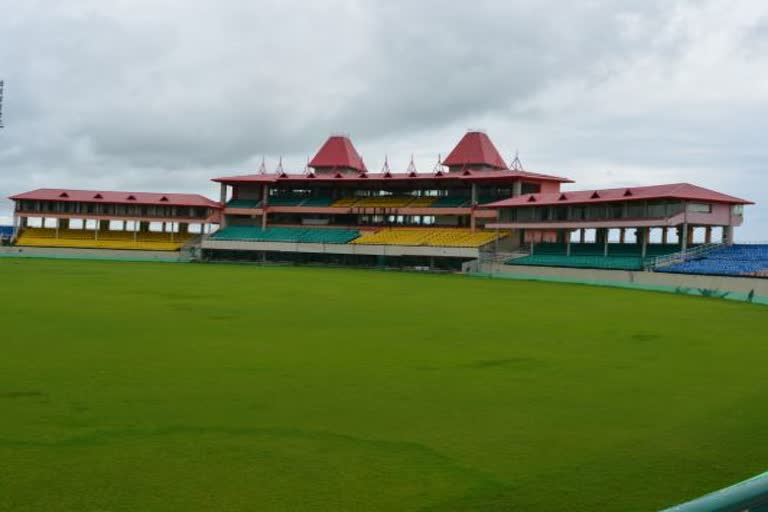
(636, 209)
(614, 210)
(738, 209)
(657, 209)
(699, 208)
(530, 188)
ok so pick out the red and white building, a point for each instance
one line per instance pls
(680, 208)
(60, 209)
(473, 173)
(472, 190)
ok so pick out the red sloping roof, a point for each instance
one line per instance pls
(675, 190)
(475, 148)
(339, 152)
(101, 196)
(468, 176)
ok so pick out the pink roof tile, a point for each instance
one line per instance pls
(475, 148)
(501, 175)
(338, 152)
(673, 191)
(100, 196)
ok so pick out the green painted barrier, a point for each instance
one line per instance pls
(748, 496)
(683, 290)
(92, 258)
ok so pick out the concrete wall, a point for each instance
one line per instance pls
(731, 284)
(371, 250)
(251, 191)
(549, 187)
(60, 252)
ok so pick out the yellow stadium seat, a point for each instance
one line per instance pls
(86, 239)
(435, 237)
(422, 202)
(384, 202)
(344, 203)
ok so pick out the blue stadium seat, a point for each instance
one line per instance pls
(734, 260)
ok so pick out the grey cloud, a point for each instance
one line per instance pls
(428, 65)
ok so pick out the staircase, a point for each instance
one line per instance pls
(191, 249)
(679, 257)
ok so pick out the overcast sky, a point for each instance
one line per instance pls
(162, 95)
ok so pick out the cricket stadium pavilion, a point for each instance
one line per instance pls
(471, 207)
(92, 219)
(339, 212)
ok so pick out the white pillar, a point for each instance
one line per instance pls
(265, 196)
(684, 238)
(728, 234)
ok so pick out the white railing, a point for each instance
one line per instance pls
(680, 257)
(502, 256)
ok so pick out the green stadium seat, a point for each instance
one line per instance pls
(317, 201)
(450, 202)
(597, 249)
(600, 262)
(244, 203)
(591, 255)
(286, 200)
(280, 234)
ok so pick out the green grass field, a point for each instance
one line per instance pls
(171, 387)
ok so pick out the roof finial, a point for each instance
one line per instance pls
(263, 166)
(280, 169)
(439, 164)
(412, 166)
(307, 169)
(516, 164)
(385, 167)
